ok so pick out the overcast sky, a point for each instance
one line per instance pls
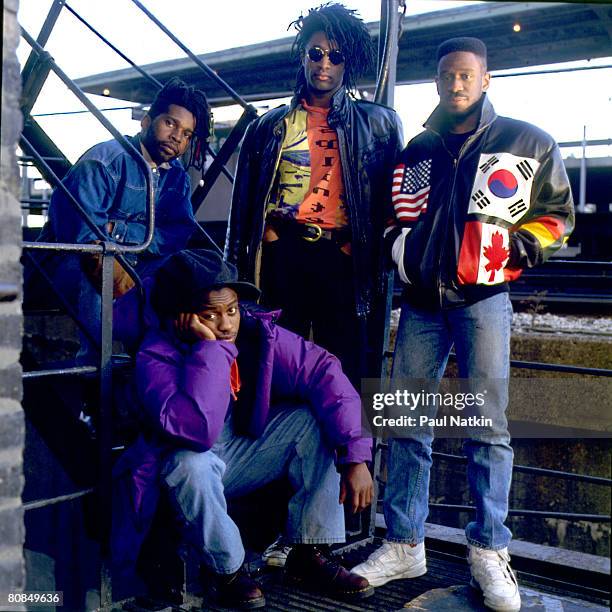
(560, 104)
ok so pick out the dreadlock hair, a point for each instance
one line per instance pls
(176, 91)
(342, 26)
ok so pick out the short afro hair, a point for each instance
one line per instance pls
(463, 43)
(345, 28)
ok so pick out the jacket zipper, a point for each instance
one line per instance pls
(464, 147)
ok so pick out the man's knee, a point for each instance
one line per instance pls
(309, 429)
(303, 415)
(197, 469)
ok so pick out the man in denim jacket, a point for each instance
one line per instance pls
(110, 185)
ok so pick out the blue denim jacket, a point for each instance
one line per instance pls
(110, 185)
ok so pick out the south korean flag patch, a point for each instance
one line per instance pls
(502, 187)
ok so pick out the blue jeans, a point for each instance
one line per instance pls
(85, 301)
(290, 446)
(69, 279)
(481, 335)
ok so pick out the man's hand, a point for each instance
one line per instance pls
(356, 486)
(122, 281)
(190, 329)
(269, 234)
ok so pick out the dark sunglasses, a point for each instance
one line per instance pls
(316, 54)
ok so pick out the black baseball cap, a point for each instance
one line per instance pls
(184, 278)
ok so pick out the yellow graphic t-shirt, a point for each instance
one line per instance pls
(308, 185)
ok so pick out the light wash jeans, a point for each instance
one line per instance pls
(481, 335)
(291, 446)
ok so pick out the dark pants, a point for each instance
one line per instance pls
(312, 283)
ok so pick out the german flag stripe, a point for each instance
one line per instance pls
(547, 230)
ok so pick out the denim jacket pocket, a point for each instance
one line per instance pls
(128, 231)
(119, 230)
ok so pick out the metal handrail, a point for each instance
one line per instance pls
(123, 141)
(578, 262)
(558, 367)
(527, 469)
(74, 371)
(208, 71)
(142, 72)
(33, 81)
(570, 516)
(157, 83)
(50, 501)
(66, 305)
(538, 365)
(598, 480)
(106, 247)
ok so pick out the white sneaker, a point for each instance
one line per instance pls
(276, 554)
(392, 561)
(492, 574)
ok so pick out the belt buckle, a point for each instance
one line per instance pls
(313, 238)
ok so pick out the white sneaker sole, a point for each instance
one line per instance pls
(413, 572)
(498, 607)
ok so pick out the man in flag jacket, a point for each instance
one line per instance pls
(473, 219)
(477, 198)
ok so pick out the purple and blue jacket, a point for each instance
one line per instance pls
(185, 395)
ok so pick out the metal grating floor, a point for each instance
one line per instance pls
(445, 569)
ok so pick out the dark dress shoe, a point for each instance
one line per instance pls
(310, 568)
(238, 590)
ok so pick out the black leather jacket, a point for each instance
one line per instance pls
(369, 140)
(503, 204)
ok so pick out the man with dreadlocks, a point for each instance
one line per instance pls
(110, 186)
(312, 182)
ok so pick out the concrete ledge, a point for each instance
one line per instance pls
(466, 599)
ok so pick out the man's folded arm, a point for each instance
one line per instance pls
(185, 396)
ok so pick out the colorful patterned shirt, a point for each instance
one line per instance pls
(308, 186)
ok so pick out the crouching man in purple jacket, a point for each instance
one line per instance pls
(233, 402)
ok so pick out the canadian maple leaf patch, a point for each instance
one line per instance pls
(496, 254)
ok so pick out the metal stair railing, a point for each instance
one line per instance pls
(536, 471)
(53, 166)
(233, 140)
(221, 158)
(230, 145)
(108, 251)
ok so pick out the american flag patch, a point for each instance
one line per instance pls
(411, 190)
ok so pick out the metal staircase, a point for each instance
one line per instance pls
(72, 421)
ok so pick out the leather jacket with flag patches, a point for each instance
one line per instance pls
(462, 226)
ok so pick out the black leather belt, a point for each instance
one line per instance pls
(311, 232)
